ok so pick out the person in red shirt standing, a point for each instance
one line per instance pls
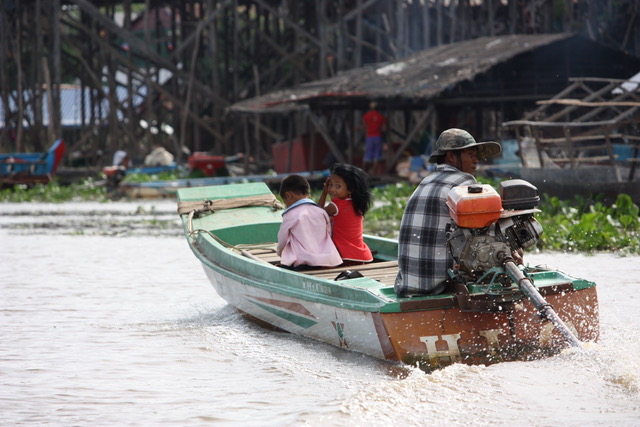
(375, 124)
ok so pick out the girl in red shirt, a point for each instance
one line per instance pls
(350, 200)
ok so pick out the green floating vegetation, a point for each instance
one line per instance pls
(383, 219)
(53, 192)
(587, 225)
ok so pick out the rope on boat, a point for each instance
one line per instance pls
(195, 209)
(210, 206)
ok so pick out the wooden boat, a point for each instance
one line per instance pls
(31, 168)
(232, 230)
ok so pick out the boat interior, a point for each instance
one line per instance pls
(382, 271)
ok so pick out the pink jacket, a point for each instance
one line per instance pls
(305, 237)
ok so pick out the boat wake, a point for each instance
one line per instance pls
(594, 384)
(617, 365)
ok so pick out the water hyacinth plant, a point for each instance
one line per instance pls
(53, 192)
(586, 225)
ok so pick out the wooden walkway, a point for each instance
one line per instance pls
(383, 271)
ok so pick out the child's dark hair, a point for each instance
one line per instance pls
(295, 183)
(357, 182)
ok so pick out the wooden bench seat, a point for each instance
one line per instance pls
(383, 271)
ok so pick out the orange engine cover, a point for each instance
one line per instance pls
(474, 206)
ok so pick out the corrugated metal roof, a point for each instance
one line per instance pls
(410, 81)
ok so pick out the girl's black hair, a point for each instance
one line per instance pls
(357, 182)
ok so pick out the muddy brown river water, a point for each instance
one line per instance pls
(106, 318)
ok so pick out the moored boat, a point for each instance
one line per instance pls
(481, 319)
(31, 168)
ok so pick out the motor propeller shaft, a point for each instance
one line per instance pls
(545, 309)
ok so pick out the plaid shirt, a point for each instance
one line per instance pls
(423, 255)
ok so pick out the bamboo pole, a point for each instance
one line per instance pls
(359, 32)
(5, 137)
(47, 78)
(55, 118)
(36, 85)
(439, 23)
(189, 89)
(426, 25)
(453, 21)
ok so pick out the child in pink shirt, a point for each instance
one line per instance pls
(350, 199)
(304, 238)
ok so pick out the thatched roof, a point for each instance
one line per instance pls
(410, 82)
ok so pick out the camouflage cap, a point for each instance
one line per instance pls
(458, 139)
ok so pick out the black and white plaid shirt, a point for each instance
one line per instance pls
(423, 255)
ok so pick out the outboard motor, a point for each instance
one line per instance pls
(487, 227)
